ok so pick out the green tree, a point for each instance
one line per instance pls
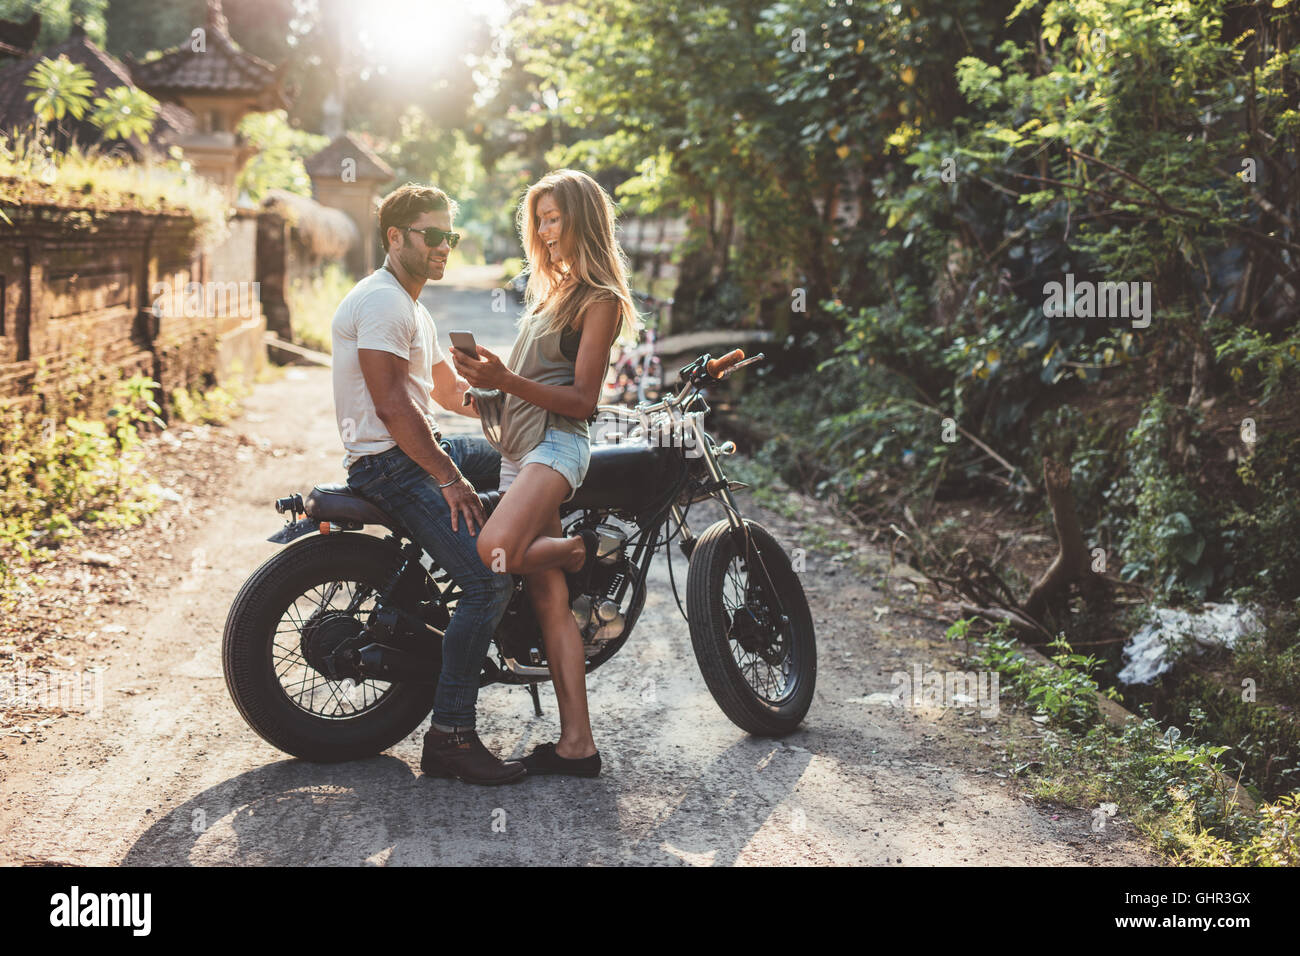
(123, 113)
(278, 162)
(59, 88)
(57, 17)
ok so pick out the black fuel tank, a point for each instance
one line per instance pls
(628, 476)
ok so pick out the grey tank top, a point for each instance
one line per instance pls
(513, 426)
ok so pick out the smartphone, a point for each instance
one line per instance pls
(465, 342)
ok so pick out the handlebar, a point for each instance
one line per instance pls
(697, 375)
(720, 366)
(705, 370)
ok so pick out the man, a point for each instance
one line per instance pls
(388, 371)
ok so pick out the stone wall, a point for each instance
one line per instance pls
(296, 238)
(86, 294)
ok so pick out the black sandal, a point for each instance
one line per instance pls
(544, 760)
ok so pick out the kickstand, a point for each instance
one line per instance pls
(537, 701)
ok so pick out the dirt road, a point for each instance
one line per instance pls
(167, 773)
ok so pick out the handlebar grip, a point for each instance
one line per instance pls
(718, 366)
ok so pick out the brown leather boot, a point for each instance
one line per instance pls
(460, 754)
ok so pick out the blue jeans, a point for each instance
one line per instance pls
(395, 483)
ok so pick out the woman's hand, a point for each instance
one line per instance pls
(488, 371)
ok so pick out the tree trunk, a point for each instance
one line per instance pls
(1071, 563)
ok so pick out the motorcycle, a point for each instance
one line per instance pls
(332, 648)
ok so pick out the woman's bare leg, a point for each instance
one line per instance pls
(516, 537)
(524, 534)
(549, 593)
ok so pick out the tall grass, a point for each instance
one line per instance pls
(312, 303)
(33, 173)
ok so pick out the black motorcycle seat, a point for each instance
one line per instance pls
(338, 502)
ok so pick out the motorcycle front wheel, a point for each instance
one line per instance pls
(760, 665)
(297, 608)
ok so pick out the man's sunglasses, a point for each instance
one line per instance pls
(433, 236)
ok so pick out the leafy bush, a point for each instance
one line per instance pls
(1278, 840)
(213, 406)
(33, 173)
(1265, 742)
(1170, 537)
(58, 476)
(1263, 522)
(1172, 784)
(1064, 694)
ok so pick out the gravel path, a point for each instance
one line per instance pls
(167, 773)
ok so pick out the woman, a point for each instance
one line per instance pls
(577, 303)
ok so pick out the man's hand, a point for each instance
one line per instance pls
(462, 499)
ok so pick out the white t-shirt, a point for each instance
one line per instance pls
(379, 314)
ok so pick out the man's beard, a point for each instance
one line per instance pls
(416, 266)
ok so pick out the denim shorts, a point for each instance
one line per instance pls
(565, 452)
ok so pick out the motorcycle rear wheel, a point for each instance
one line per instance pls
(760, 670)
(289, 703)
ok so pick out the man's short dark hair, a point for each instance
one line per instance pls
(405, 204)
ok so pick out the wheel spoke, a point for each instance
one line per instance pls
(768, 681)
(301, 683)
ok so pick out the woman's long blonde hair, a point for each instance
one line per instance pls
(598, 263)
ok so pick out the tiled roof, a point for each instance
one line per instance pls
(329, 161)
(107, 72)
(220, 67)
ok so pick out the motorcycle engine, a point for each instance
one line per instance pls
(597, 613)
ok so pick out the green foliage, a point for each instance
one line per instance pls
(211, 406)
(1274, 359)
(817, 435)
(62, 88)
(1173, 785)
(123, 112)
(1263, 521)
(424, 153)
(312, 302)
(32, 172)
(278, 162)
(57, 476)
(1064, 693)
(59, 88)
(1276, 844)
(1266, 741)
(1270, 657)
(1100, 140)
(1170, 537)
(57, 18)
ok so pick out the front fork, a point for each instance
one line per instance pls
(721, 489)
